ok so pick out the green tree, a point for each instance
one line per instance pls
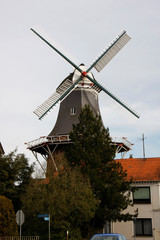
(93, 152)
(69, 200)
(15, 174)
(8, 225)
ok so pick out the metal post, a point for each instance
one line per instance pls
(20, 231)
(143, 145)
(49, 227)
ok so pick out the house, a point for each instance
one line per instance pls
(146, 178)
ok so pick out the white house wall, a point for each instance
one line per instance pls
(145, 211)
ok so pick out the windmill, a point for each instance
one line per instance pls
(76, 90)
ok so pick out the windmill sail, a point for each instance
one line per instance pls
(52, 44)
(42, 110)
(120, 101)
(113, 96)
(110, 51)
(67, 86)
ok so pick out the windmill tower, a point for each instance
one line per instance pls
(78, 89)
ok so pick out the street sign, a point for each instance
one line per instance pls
(43, 215)
(46, 217)
(20, 217)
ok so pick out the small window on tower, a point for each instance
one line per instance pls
(73, 111)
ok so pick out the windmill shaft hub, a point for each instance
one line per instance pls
(83, 73)
(84, 76)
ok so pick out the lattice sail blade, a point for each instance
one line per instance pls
(108, 53)
(118, 100)
(113, 96)
(59, 95)
(49, 41)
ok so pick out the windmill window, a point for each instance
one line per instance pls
(73, 111)
(142, 195)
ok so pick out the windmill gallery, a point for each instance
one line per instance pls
(78, 89)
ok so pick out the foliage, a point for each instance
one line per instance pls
(68, 199)
(93, 153)
(8, 225)
(15, 174)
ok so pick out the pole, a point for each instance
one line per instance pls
(49, 227)
(20, 231)
(143, 145)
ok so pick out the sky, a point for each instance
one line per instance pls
(30, 71)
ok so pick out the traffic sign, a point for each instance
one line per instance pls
(20, 217)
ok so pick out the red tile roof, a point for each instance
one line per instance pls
(142, 169)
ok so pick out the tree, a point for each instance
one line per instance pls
(8, 225)
(15, 174)
(67, 197)
(93, 153)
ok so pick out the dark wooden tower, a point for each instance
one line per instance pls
(71, 106)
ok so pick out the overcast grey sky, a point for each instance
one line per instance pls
(31, 71)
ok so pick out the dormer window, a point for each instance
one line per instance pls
(73, 111)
